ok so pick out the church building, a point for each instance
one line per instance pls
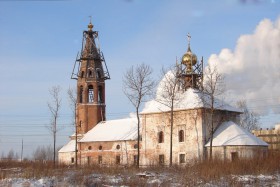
(114, 142)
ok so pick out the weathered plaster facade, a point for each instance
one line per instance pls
(108, 153)
(194, 126)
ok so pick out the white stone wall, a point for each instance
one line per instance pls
(190, 121)
(66, 158)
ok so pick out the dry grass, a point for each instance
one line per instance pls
(191, 175)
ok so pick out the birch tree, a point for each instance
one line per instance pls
(213, 88)
(138, 86)
(54, 106)
(248, 120)
(169, 96)
(72, 95)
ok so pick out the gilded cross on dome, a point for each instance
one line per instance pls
(90, 26)
(189, 40)
(189, 37)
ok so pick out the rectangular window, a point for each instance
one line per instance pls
(72, 160)
(182, 158)
(234, 156)
(118, 159)
(88, 160)
(135, 157)
(161, 159)
(99, 159)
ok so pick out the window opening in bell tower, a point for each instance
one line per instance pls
(90, 94)
(89, 73)
(98, 72)
(100, 94)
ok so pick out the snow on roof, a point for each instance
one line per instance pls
(190, 99)
(230, 133)
(112, 130)
(69, 147)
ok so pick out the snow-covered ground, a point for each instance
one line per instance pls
(149, 179)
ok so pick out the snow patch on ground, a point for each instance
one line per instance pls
(143, 178)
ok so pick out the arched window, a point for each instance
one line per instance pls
(181, 136)
(89, 147)
(90, 94)
(89, 73)
(81, 94)
(100, 94)
(100, 147)
(160, 137)
(98, 73)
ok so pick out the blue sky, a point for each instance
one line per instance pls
(39, 41)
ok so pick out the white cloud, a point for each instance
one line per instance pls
(252, 70)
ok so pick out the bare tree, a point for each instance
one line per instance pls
(43, 153)
(11, 155)
(169, 96)
(2, 155)
(54, 107)
(72, 93)
(248, 120)
(213, 90)
(138, 86)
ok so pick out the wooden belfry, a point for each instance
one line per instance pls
(190, 71)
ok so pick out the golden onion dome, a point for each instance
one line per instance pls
(189, 58)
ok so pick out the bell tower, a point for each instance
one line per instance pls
(90, 71)
(190, 71)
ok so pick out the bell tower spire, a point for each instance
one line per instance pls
(91, 73)
(191, 71)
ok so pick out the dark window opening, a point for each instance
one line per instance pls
(89, 147)
(118, 147)
(88, 160)
(118, 159)
(135, 146)
(135, 158)
(98, 73)
(99, 159)
(100, 147)
(161, 159)
(80, 125)
(181, 136)
(82, 74)
(81, 94)
(72, 160)
(182, 158)
(90, 94)
(89, 73)
(100, 94)
(234, 156)
(160, 137)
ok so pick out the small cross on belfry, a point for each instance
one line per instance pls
(189, 37)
